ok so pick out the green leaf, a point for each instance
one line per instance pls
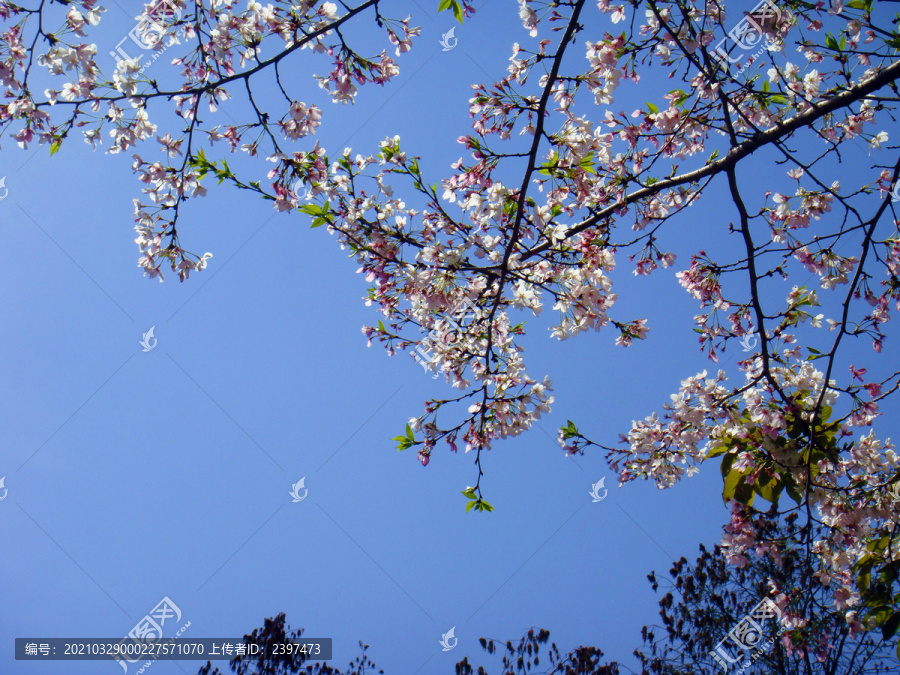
(730, 488)
(458, 11)
(470, 493)
(881, 615)
(727, 461)
(322, 213)
(880, 597)
(470, 505)
(863, 580)
(548, 168)
(718, 450)
(405, 442)
(569, 430)
(588, 163)
(890, 572)
(770, 489)
(453, 5)
(879, 544)
(54, 147)
(310, 209)
(652, 108)
(795, 429)
(745, 493)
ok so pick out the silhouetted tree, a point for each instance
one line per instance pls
(708, 599)
(274, 631)
(525, 657)
(703, 602)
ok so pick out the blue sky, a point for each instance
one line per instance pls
(136, 475)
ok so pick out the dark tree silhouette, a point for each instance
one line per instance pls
(702, 603)
(525, 657)
(275, 631)
(517, 659)
(708, 599)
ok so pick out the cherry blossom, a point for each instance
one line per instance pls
(579, 167)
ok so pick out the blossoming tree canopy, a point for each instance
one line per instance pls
(219, 48)
(562, 176)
